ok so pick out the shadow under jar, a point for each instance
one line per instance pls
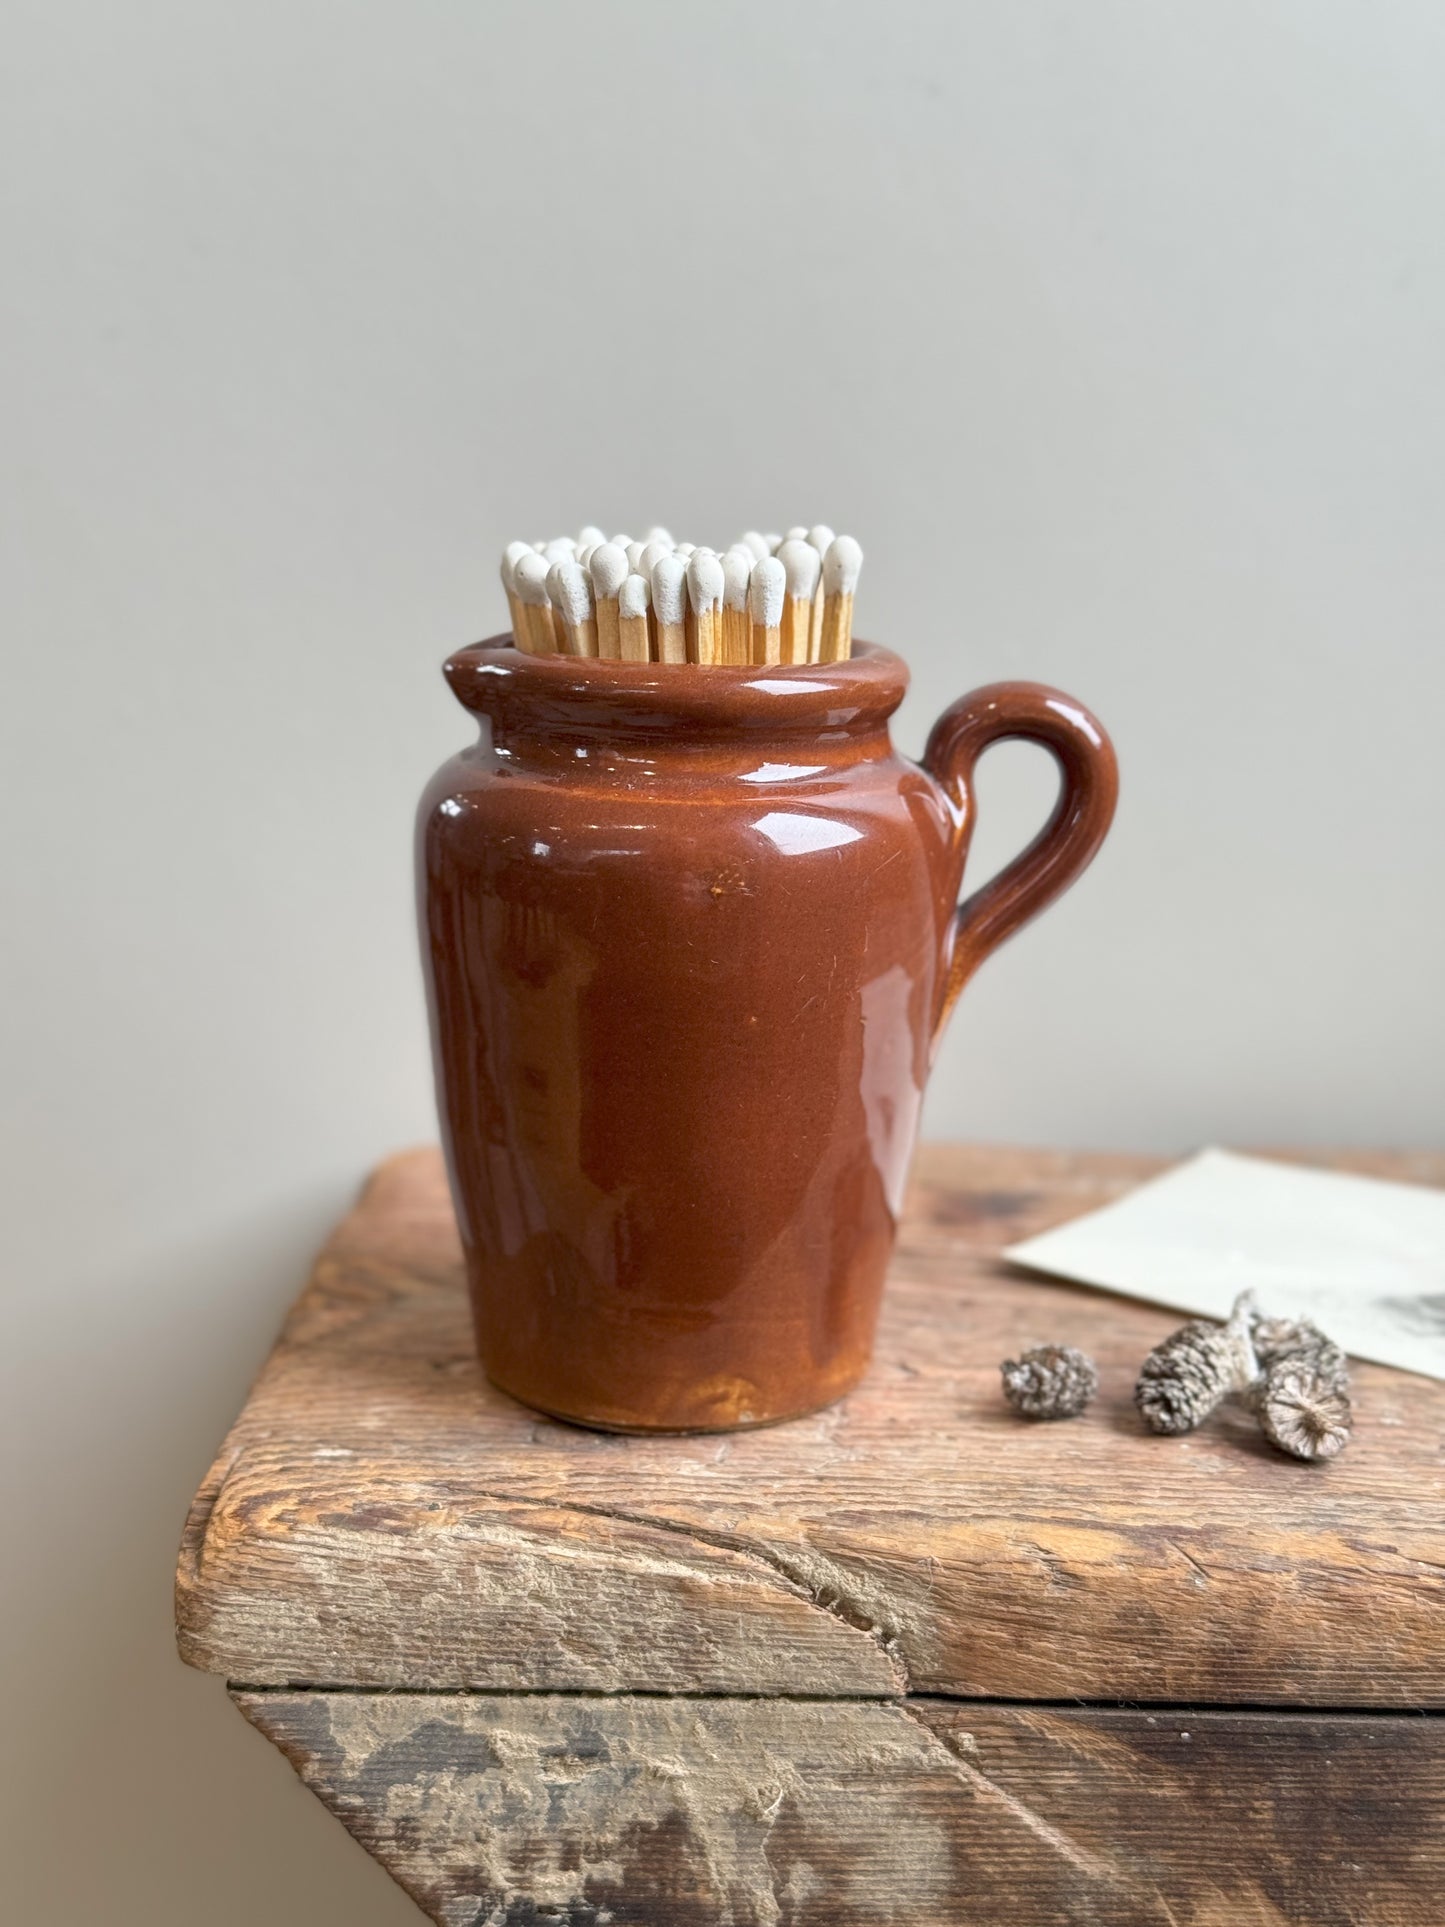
(691, 935)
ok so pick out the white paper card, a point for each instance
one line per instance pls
(1364, 1259)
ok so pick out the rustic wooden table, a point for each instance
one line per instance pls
(909, 1661)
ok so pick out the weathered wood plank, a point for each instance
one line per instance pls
(499, 1811)
(381, 1516)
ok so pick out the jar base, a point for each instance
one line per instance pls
(630, 1429)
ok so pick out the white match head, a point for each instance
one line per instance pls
(511, 556)
(634, 598)
(750, 539)
(634, 551)
(669, 589)
(608, 569)
(704, 581)
(801, 564)
(684, 549)
(620, 541)
(774, 542)
(591, 537)
(737, 567)
(841, 565)
(821, 537)
(529, 579)
(765, 592)
(654, 552)
(560, 550)
(664, 536)
(569, 588)
(795, 535)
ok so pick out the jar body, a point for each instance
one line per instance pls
(683, 973)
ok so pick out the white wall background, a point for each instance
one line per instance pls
(1114, 332)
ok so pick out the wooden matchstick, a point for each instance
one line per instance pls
(511, 556)
(570, 589)
(821, 537)
(704, 608)
(560, 642)
(561, 549)
(669, 607)
(634, 599)
(767, 593)
(608, 569)
(802, 566)
(737, 634)
(529, 578)
(840, 578)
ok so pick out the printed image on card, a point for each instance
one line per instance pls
(1364, 1259)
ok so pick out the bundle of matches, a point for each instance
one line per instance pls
(767, 599)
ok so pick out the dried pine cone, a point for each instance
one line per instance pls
(1195, 1369)
(1304, 1409)
(1277, 1339)
(1303, 1394)
(1051, 1381)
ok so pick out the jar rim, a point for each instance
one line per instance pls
(496, 679)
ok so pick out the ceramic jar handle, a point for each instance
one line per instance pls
(1064, 847)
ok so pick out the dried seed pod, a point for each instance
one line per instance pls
(1051, 1381)
(1195, 1369)
(1304, 1409)
(1277, 1339)
(1302, 1397)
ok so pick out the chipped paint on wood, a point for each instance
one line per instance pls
(596, 1812)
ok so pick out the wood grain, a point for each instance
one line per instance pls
(499, 1811)
(380, 1516)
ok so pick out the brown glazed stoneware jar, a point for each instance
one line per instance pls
(690, 938)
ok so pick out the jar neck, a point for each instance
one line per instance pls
(759, 756)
